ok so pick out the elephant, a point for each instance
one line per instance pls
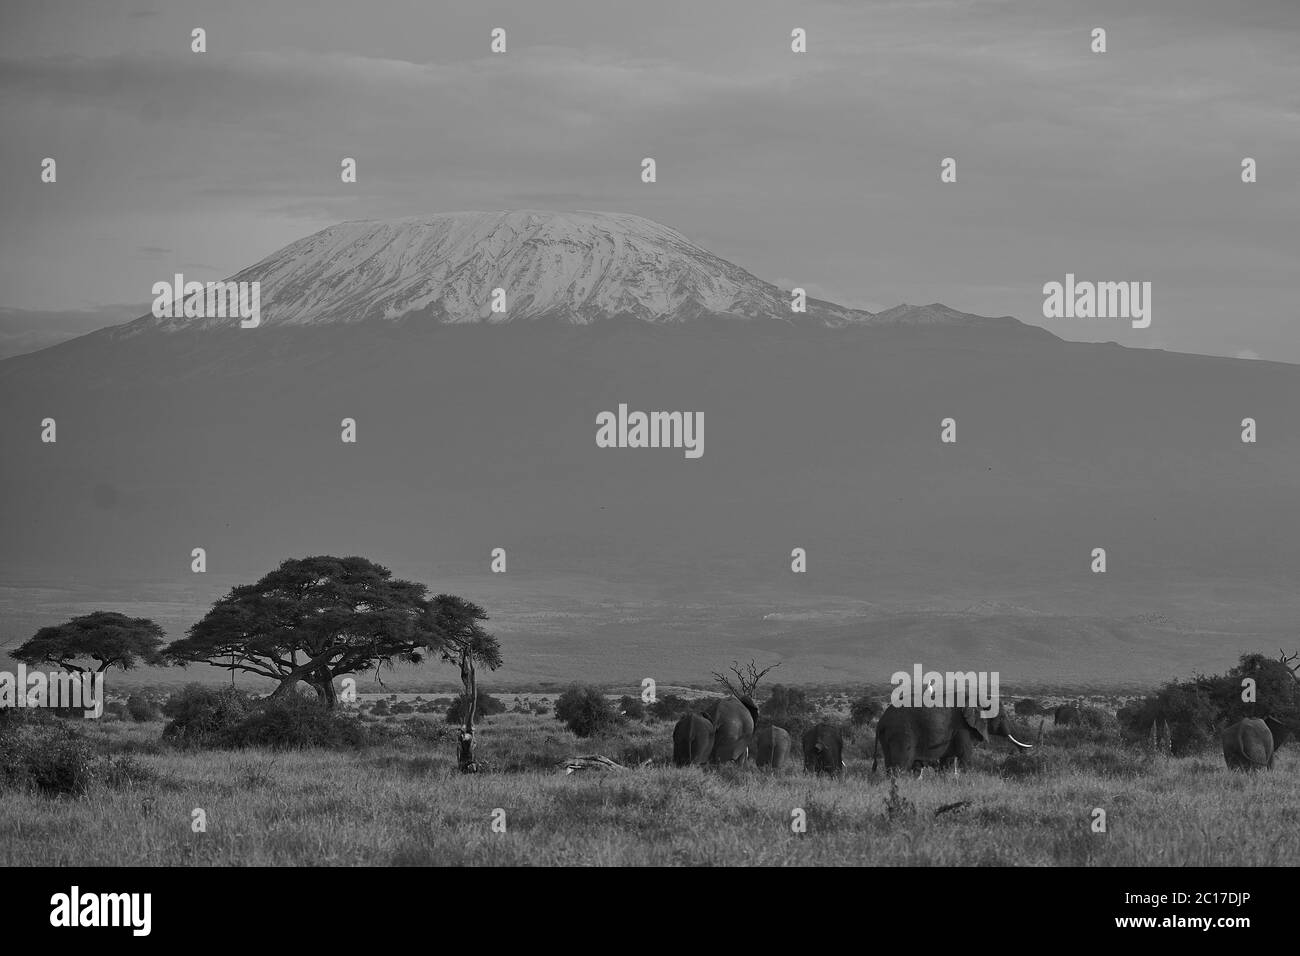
(1067, 714)
(962, 749)
(771, 746)
(912, 737)
(733, 721)
(1251, 743)
(692, 740)
(823, 750)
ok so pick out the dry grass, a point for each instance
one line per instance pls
(403, 804)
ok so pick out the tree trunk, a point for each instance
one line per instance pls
(324, 688)
(285, 688)
(465, 756)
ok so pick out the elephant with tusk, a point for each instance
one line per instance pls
(912, 737)
(733, 721)
(1251, 743)
(823, 750)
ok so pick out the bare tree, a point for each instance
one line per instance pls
(1291, 662)
(748, 678)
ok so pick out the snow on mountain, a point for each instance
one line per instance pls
(579, 267)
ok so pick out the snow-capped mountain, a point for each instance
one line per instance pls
(578, 267)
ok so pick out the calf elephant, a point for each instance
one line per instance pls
(733, 722)
(1251, 744)
(1067, 714)
(912, 737)
(771, 746)
(692, 740)
(823, 750)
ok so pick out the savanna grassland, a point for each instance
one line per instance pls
(402, 802)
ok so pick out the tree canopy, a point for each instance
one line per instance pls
(95, 642)
(313, 620)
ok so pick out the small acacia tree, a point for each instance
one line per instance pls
(458, 636)
(312, 620)
(94, 643)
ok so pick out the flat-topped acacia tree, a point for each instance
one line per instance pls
(313, 620)
(94, 642)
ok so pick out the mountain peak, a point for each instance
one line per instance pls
(577, 266)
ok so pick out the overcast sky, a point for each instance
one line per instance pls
(819, 169)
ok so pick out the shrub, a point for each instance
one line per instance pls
(203, 715)
(226, 717)
(1189, 712)
(668, 707)
(631, 707)
(295, 722)
(1029, 708)
(44, 753)
(486, 706)
(402, 707)
(864, 710)
(585, 711)
(142, 708)
(117, 710)
(380, 708)
(785, 704)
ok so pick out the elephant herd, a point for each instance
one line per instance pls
(909, 738)
(726, 732)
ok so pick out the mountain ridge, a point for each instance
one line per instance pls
(575, 267)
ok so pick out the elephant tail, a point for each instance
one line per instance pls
(875, 751)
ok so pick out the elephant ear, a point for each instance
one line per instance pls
(970, 716)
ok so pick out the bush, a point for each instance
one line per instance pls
(486, 706)
(864, 710)
(295, 722)
(786, 704)
(668, 707)
(45, 754)
(585, 711)
(204, 715)
(1189, 712)
(1029, 708)
(402, 707)
(380, 708)
(142, 708)
(117, 710)
(226, 717)
(631, 707)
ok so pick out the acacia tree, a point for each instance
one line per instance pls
(312, 620)
(106, 638)
(460, 639)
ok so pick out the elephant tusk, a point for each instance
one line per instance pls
(1019, 744)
